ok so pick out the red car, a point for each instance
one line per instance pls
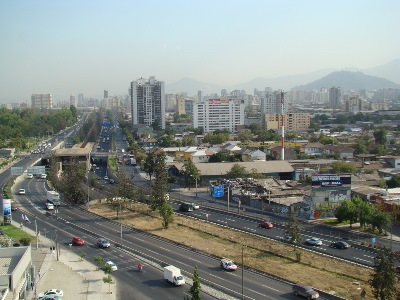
(266, 224)
(77, 241)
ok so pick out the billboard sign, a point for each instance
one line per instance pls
(330, 180)
(6, 211)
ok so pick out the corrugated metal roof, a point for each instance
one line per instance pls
(265, 167)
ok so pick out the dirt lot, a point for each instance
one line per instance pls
(341, 278)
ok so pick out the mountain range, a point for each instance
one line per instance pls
(387, 75)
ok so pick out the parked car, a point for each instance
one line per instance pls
(300, 289)
(103, 243)
(314, 241)
(21, 191)
(340, 245)
(77, 241)
(52, 292)
(112, 265)
(266, 224)
(228, 265)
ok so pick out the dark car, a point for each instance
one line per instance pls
(103, 243)
(306, 291)
(340, 245)
(266, 224)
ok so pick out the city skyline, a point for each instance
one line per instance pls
(73, 47)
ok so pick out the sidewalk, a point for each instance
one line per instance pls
(78, 278)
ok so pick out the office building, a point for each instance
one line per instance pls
(80, 100)
(220, 114)
(271, 103)
(105, 94)
(184, 106)
(41, 101)
(148, 102)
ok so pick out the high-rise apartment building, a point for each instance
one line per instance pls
(220, 114)
(184, 106)
(292, 121)
(80, 100)
(41, 101)
(334, 97)
(355, 105)
(72, 100)
(105, 94)
(148, 102)
(271, 103)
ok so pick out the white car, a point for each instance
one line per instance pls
(52, 292)
(43, 176)
(228, 265)
(106, 177)
(314, 241)
(29, 176)
(21, 191)
(112, 265)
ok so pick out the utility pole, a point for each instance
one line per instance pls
(37, 235)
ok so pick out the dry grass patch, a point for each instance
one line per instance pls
(275, 258)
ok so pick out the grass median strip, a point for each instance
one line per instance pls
(278, 259)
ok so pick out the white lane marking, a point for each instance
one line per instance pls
(268, 287)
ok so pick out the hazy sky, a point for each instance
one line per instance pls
(75, 46)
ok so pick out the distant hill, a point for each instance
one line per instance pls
(349, 80)
(191, 86)
(390, 71)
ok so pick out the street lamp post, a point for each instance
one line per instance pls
(243, 271)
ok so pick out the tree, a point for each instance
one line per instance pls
(190, 171)
(245, 136)
(293, 229)
(195, 289)
(99, 260)
(218, 157)
(166, 213)
(394, 181)
(108, 279)
(255, 174)
(380, 219)
(70, 182)
(384, 278)
(160, 185)
(82, 254)
(342, 167)
(347, 211)
(149, 164)
(380, 136)
(237, 171)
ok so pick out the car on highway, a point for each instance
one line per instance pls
(21, 191)
(106, 177)
(340, 245)
(112, 265)
(29, 176)
(227, 264)
(103, 243)
(314, 241)
(43, 176)
(196, 206)
(306, 291)
(286, 239)
(77, 241)
(266, 224)
(52, 292)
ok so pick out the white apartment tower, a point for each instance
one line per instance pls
(42, 101)
(148, 102)
(271, 103)
(220, 114)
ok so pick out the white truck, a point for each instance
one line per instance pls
(173, 275)
(53, 197)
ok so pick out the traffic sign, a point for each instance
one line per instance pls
(16, 171)
(36, 170)
(106, 124)
(218, 191)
